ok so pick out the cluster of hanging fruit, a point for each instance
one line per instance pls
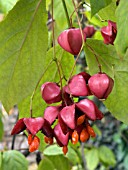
(70, 120)
(73, 118)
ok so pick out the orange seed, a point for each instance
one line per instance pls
(35, 144)
(91, 131)
(80, 120)
(75, 137)
(65, 149)
(84, 135)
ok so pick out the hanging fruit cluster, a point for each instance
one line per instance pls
(73, 118)
(70, 120)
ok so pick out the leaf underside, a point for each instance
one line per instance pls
(23, 46)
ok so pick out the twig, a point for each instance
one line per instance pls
(54, 52)
(66, 13)
(31, 99)
(74, 11)
(14, 136)
(83, 156)
(75, 8)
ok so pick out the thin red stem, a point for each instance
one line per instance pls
(54, 53)
(99, 65)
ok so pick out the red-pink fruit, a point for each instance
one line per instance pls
(51, 113)
(47, 130)
(51, 93)
(90, 109)
(79, 128)
(61, 138)
(64, 127)
(34, 124)
(71, 40)
(19, 127)
(77, 86)
(67, 100)
(67, 114)
(109, 32)
(89, 31)
(101, 85)
(99, 114)
(85, 75)
(43, 85)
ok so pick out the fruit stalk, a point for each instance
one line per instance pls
(99, 65)
(66, 13)
(54, 53)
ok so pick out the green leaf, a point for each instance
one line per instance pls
(42, 144)
(125, 162)
(97, 130)
(121, 41)
(55, 150)
(50, 74)
(98, 35)
(92, 158)
(73, 156)
(48, 2)
(58, 162)
(23, 46)
(108, 13)
(1, 155)
(7, 5)
(14, 160)
(96, 6)
(1, 127)
(107, 156)
(60, 17)
(114, 67)
(46, 164)
(95, 20)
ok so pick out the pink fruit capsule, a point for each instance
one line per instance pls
(101, 85)
(19, 127)
(51, 113)
(71, 40)
(89, 31)
(67, 114)
(51, 93)
(34, 124)
(77, 86)
(61, 138)
(109, 32)
(85, 75)
(90, 109)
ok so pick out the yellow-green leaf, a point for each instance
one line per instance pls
(23, 46)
